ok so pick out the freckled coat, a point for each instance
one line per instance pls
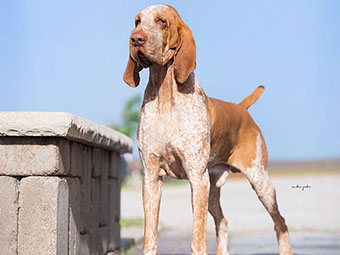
(185, 134)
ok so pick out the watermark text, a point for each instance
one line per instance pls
(302, 187)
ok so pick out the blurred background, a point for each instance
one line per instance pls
(70, 56)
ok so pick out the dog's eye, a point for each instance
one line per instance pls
(137, 22)
(161, 22)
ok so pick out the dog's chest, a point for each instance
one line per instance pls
(181, 127)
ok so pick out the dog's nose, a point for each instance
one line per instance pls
(138, 38)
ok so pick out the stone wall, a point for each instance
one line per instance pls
(59, 185)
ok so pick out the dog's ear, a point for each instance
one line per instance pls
(185, 59)
(131, 74)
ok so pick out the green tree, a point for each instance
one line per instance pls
(130, 116)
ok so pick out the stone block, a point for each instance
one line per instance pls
(85, 201)
(114, 215)
(113, 206)
(117, 252)
(103, 207)
(103, 239)
(114, 236)
(113, 253)
(43, 216)
(78, 158)
(95, 202)
(117, 192)
(94, 241)
(95, 214)
(88, 162)
(97, 162)
(85, 244)
(34, 156)
(114, 164)
(74, 216)
(9, 192)
(62, 124)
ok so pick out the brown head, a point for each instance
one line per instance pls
(159, 36)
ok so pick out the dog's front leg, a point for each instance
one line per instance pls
(152, 184)
(199, 198)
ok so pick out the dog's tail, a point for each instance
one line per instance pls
(250, 100)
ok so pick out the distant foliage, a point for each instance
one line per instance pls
(130, 116)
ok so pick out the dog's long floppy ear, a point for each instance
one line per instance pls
(185, 59)
(131, 74)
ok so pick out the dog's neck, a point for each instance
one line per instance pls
(161, 77)
(164, 88)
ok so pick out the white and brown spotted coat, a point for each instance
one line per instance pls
(186, 135)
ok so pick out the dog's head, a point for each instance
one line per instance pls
(159, 36)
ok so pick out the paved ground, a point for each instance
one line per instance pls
(251, 244)
(312, 214)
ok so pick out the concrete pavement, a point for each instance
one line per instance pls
(263, 243)
(312, 214)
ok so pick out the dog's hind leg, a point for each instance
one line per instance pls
(215, 210)
(256, 173)
(261, 183)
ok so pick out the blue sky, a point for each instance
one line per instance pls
(70, 56)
